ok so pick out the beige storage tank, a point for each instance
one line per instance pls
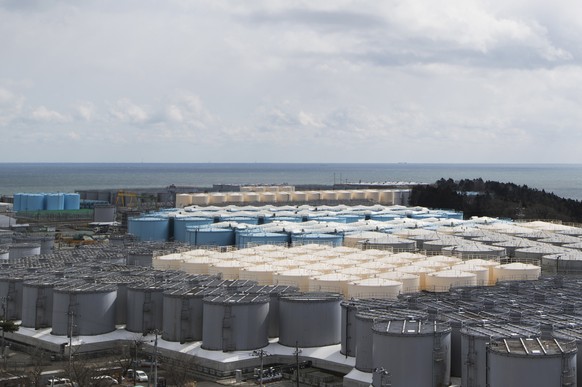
(323, 267)
(433, 265)
(373, 195)
(410, 282)
(230, 269)
(481, 273)
(262, 274)
(443, 281)
(268, 197)
(341, 262)
(200, 199)
(420, 271)
(251, 197)
(411, 257)
(296, 277)
(516, 272)
(283, 197)
(344, 195)
(168, 262)
(378, 266)
(183, 200)
(353, 239)
(449, 261)
(299, 196)
(329, 195)
(197, 265)
(235, 197)
(313, 195)
(358, 195)
(387, 197)
(286, 264)
(333, 283)
(358, 271)
(489, 264)
(217, 198)
(395, 261)
(374, 288)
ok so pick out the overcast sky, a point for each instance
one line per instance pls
(460, 81)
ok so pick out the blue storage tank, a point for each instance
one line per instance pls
(180, 225)
(17, 202)
(295, 219)
(351, 218)
(209, 236)
(334, 240)
(55, 201)
(329, 219)
(149, 229)
(72, 201)
(35, 202)
(384, 217)
(244, 238)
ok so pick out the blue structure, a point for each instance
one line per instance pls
(210, 236)
(334, 240)
(182, 223)
(244, 238)
(149, 229)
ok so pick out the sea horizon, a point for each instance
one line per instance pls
(560, 178)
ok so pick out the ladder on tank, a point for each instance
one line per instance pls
(438, 358)
(227, 339)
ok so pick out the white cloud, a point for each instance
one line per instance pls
(44, 114)
(125, 111)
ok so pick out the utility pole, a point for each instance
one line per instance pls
(260, 353)
(296, 353)
(4, 307)
(71, 314)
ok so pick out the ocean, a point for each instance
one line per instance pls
(564, 180)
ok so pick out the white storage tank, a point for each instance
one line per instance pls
(21, 250)
(410, 282)
(481, 273)
(396, 342)
(531, 362)
(262, 274)
(516, 272)
(200, 199)
(227, 269)
(332, 282)
(295, 277)
(374, 288)
(183, 200)
(443, 281)
(419, 271)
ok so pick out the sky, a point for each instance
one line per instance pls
(417, 81)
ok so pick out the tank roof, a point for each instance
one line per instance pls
(532, 347)
(237, 299)
(414, 327)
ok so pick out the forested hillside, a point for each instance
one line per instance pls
(500, 200)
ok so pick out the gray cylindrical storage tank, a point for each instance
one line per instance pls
(144, 308)
(238, 322)
(183, 310)
(72, 201)
(4, 255)
(474, 340)
(149, 229)
(89, 309)
(11, 293)
(310, 320)
(348, 328)
(274, 292)
(531, 362)
(21, 250)
(37, 303)
(572, 333)
(364, 334)
(141, 257)
(397, 342)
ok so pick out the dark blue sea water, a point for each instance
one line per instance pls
(564, 180)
